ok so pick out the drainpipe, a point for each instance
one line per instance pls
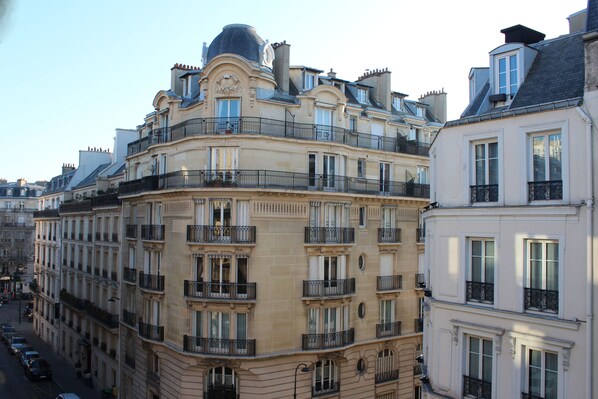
(590, 252)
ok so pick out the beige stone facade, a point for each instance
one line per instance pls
(271, 219)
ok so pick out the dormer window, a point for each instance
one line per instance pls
(362, 95)
(419, 111)
(309, 80)
(507, 74)
(396, 103)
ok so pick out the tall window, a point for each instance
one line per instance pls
(362, 216)
(362, 95)
(385, 366)
(507, 75)
(480, 288)
(224, 162)
(396, 103)
(542, 374)
(422, 174)
(309, 80)
(311, 169)
(361, 167)
(220, 219)
(325, 377)
(387, 316)
(477, 380)
(221, 382)
(384, 177)
(542, 293)
(485, 187)
(353, 123)
(546, 167)
(220, 275)
(324, 123)
(329, 171)
(229, 111)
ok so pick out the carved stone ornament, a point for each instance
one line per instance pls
(456, 334)
(513, 344)
(228, 84)
(497, 344)
(252, 92)
(566, 356)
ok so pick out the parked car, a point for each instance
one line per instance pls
(38, 369)
(28, 356)
(22, 349)
(16, 342)
(6, 328)
(6, 337)
(68, 396)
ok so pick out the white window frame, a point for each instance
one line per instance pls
(508, 89)
(546, 135)
(361, 168)
(309, 80)
(542, 368)
(560, 269)
(362, 95)
(396, 103)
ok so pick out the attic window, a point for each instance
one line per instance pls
(420, 112)
(507, 77)
(396, 103)
(362, 95)
(309, 80)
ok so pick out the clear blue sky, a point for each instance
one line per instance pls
(73, 71)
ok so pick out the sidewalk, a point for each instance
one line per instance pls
(63, 373)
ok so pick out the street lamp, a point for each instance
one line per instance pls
(304, 369)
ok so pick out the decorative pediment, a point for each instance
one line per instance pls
(228, 84)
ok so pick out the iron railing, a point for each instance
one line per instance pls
(389, 283)
(153, 282)
(221, 234)
(477, 388)
(391, 329)
(545, 190)
(484, 193)
(389, 235)
(420, 280)
(418, 325)
(221, 391)
(541, 300)
(278, 128)
(129, 318)
(108, 319)
(131, 231)
(220, 291)
(329, 235)
(72, 301)
(326, 387)
(328, 340)
(219, 346)
(384, 376)
(421, 235)
(333, 287)
(273, 179)
(154, 232)
(129, 275)
(46, 213)
(476, 291)
(150, 331)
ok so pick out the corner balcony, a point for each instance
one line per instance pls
(151, 332)
(72, 301)
(476, 388)
(545, 190)
(392, 329)
(129, 275)
(325, 388)
(479, 292)
(328, 340)
(219, 291)
(326, 288)
(271, 180)
(541, 300)
(278, 128)
(104, 317)
(221, 234)
(389, 236)
(152, 232)
(151, 282)
(389, 283)
(329, 235)
(219, 346)
(483, 193)
(385, 376)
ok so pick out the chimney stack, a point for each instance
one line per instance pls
(379, 79)
(281, 65)
(332, 74)
(436, 102)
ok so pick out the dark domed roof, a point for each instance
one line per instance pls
(237, 39)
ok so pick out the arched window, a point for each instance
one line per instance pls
(221, 383)
(325, 377)
(385, 367)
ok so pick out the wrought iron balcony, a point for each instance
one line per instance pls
(325, 388)
(328, 340)
(150, 331)
(324, 288)
(477, 388)
(389, 283)
(420, 281)
(385, 376)
(418, 325)
(476, 291)
(545, 190)
(217, 346)
(129, 275)
(221, 234)
(541, 300)
(420, 235)
(329, 235)
(388, 236)
(129, 318)
(484, 193)
(108, 319)
(219, 291)
(131, 231)
(220, 391)
(72, 301)
(46, 213)
(153, 282)
(278, 128)
(154, 232)
(391, 329)
(275, 179)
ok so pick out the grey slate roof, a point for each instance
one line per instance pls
(91, 178)
(59, 183)
(237, 39)
(474, 107)
(592, 21)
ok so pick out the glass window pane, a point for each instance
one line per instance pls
(551, 376)
(539, 158)
(555, 157)
(502, 75)
(242, 326)
(513, 74)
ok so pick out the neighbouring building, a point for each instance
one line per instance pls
(272, 237)
(510, 232)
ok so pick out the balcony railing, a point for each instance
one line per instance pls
(324, 288)
(273, 179)
(418, 325)
(129, 275)
(479, 292)
(325, 388)
(328, 340)
(476, 388)
(220, 291)
(221, 234)
(385, 376)
(154, 232)
(131, 231)
(278, 128)
(420, 280)
(129, 318)
(105, 200)
(545, 190)
(153, 282)
(46, 213)
(220, 391)
(389, 235)
(541, 300)
(329, 235)
(217, 346)
(150, 331)
(108, 319)
(484, 193)
(391, 329)
(72, 300)
(420, 236)
(389, 283)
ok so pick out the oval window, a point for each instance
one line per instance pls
(361, 310)
(361, 262)
(361, 366)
